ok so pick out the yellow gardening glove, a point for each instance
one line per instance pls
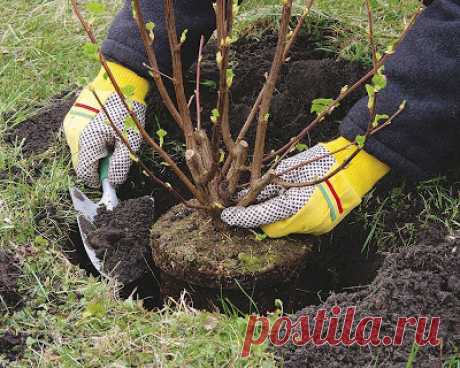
(89, 134)
(313, 209)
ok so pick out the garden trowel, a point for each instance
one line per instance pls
(87, 211)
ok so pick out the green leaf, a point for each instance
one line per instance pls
(149, 26)
(379, 82)
(230, 75)
(133, 9)
(261, 236)
(215, 115)
(221, 156)
(360, 140)
(91, 50)
(390, 49)
(128, 90)
(301, 147)
(370, 90)
(371, 93)
(95, 7)
(209, 83)
(161, 134)
(219, 59)
(378, 118)
(130, 124)
(321, 105)
(183, 36)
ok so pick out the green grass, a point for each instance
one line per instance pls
(74, 320)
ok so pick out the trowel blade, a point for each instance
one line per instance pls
(83, 205)
(87, 211)
(85, 227)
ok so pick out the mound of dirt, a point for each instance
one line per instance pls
(9, 274)
(40, 130)
(121, 239)
(418, 281)
(209, 262)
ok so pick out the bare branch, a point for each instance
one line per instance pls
(298, 27)
(287, 184)
(224, 20)
(256, 188)
(233, 175)
(175, 48)
(259, 148)
(153, 67)
(197, 85)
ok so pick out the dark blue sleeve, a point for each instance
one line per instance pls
(124, 44)
(425, 71)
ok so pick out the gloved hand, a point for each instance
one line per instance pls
(314, 209)
(88, 131)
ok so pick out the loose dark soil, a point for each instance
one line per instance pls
(418, 281)
(40, 130)
(12, 345)
(9, 274)
(121, 238)
(188, 248)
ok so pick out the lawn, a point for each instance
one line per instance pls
(70, 319)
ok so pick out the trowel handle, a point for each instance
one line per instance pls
(104, 168)
(109, 195)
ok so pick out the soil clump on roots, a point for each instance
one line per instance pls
(423, 280)
(121, 239)
(213, 264)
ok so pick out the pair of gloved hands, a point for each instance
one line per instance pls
(309, 210)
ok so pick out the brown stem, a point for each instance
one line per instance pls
(194, 162)
(240, 156)
(370, 33)
(268, 93)
(157, 72)
(153, 67)
(197, 86)
(298, 28)
(175, 48)
(287, 185)
(256, 188)
(207, 154)
(224, 19)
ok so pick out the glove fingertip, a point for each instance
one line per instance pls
(120, 164)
